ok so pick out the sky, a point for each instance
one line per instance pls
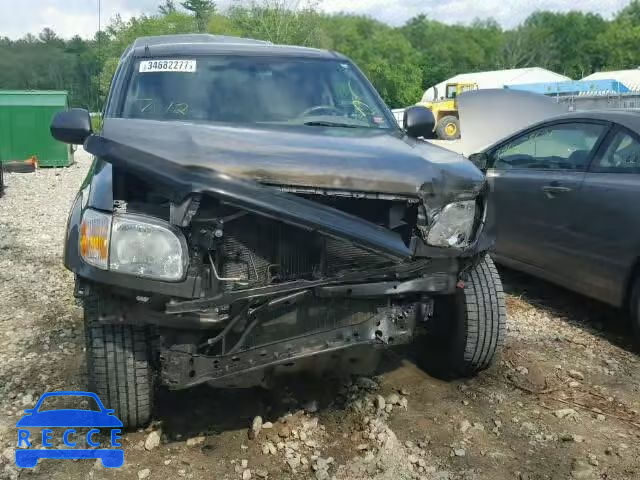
(71, 17)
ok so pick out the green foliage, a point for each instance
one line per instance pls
(446, 50)
(630, 13)
(619, 42)
(382, 52)
(401, 62)
(169, 6)
(202, 11)
(563, 42)
(96, 122)
(293, 22)
(50, 63)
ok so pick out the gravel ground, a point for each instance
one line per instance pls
(562, 403)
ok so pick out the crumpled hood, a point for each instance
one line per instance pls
(239, 167)
(328, 158)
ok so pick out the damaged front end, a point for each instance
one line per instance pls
(242, 277)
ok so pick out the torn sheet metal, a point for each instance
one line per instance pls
(180, 180)
(488, 116)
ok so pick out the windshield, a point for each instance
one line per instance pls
(253, 90)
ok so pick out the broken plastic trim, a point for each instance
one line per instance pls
(179, 181)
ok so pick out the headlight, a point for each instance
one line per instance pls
(136, 245)
(146, 247)
(453, 226)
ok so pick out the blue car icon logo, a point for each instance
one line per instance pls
(70, 419)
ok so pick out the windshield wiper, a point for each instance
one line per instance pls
(327, 123)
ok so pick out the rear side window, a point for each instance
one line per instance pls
(566, 146)
(621, 156)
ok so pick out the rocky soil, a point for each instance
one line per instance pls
(562, 403)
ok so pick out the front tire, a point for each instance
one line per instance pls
(467, 329)
(119, 365)
(448, 128)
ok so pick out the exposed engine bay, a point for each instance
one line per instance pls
(273, 293)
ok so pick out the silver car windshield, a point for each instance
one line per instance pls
(253, 90)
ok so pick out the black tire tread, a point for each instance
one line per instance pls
(468, 328)
(118, 364)
(440, 131)
(486, 316)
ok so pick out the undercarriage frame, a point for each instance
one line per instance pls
(392, 325)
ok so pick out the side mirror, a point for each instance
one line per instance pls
(419, 122)
(480, 160)
(71, 126)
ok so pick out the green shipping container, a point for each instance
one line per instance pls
(25, 117)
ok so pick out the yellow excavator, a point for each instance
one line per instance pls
(445, 110)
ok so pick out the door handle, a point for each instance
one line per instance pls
(553, 190)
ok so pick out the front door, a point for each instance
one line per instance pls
(535, 180)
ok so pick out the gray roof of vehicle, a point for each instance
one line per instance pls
(626, 118)
(202, 44)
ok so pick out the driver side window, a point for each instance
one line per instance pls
(566, 146)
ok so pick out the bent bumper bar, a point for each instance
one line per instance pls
(421, 276)
(391, 325)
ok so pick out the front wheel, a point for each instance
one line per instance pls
(118, 363)
(448, 128)
(467, 329)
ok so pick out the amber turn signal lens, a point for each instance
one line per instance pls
(95, 233)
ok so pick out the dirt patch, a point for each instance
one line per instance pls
(562, 403)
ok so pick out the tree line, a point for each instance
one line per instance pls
(400, 61)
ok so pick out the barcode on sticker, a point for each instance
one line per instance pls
(167, 65)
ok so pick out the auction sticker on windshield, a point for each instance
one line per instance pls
(167, 65)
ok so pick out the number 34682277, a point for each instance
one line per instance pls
(167, 65)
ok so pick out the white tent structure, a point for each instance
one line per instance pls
(629, 78)
(495, 79)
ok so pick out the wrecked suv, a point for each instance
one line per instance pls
(255, 208)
